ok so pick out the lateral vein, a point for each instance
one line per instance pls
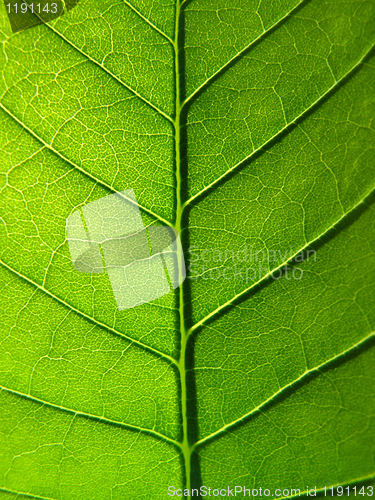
(269, 274)
(343, 484)
(241, 53)
(90, 416)
(106, 70)
(27, 495)
(80, 169)
(139, 344)
(281, 131)
(244, 418)
(151, 24)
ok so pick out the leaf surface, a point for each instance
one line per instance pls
(249, 128)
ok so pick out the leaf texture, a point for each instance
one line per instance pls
(248, 126)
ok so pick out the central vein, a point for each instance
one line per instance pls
(186, 448)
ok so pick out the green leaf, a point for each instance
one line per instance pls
(248, 126)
